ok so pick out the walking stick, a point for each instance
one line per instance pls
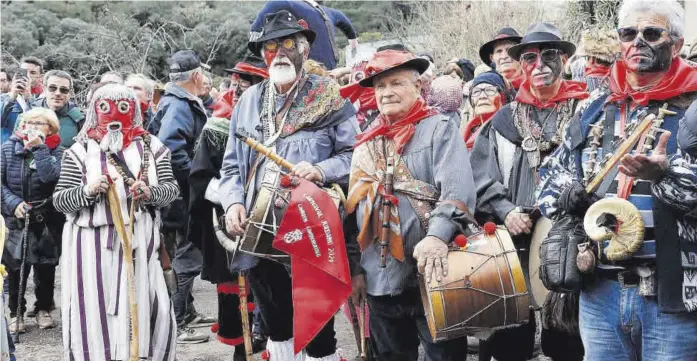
(246, 334)
(20, 294)
(115, 208)
(355, 323)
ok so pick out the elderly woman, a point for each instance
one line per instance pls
(487, 95)
(29, 169)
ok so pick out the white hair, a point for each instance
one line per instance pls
(670, 9)
(113, 92)
(148, 84)
(183, 76)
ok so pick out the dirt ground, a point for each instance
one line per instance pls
(46, 345)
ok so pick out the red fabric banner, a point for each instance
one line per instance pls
(311, 233)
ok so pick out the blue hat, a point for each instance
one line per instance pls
(495, 79)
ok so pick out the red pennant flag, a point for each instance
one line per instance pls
(311, 233)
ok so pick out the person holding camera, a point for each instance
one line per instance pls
(57, 88)
(29, 170)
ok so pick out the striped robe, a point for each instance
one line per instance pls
(94, 305)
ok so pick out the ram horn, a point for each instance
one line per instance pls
(617, 220)
(225, 241)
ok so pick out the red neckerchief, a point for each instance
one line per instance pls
(517, 81)
(143, 109)
(97, 134)
(597, 70)
(400, 131)
(366, 96)
(223, 108)
(680, 78)
(474, 126)
(569, 89)
(38, 89)
(52, 141)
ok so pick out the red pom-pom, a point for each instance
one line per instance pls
(303, 23)
(265, 355)
(461, 240)
(489, 228)
(215, 327)
(286, 181)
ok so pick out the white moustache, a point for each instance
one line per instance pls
(112, 141)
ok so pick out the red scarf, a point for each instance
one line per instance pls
(569, 89)
(517, 81)
(474, 126)
(679, 79)
(400, 131)
(597, 70)
(52, 141)
(223, 108)
(366, 96)
(37, 90)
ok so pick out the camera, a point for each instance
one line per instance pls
(22, 73)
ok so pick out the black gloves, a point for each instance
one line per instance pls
(574, 199)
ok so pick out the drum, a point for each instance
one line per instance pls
(537, 288)
(484, 290)
(266, 214)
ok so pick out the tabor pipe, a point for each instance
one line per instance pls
(115, 208)
(266, 151)
(386, 213)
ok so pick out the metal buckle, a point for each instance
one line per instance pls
(627, 279)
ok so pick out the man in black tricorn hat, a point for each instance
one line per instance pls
(506, 158)
(495, 54)
(305, 120)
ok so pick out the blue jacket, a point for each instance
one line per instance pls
(179, 120)
(70, 117)
(321, 50)
(28, 176)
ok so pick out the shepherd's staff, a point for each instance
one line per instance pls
(22, 281)
(116, 215)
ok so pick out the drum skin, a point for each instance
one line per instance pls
(484, 290)
(537, 288)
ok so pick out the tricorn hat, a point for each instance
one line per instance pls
(251, 65)
(542, 34)
(504, 34)
(387, 60)
(279, 25)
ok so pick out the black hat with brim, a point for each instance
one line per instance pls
(389, 60)
(542, 34)
(252, 60)
(279, 25)
(505, 34)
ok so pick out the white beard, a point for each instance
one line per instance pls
(112, 142)
(282, 75)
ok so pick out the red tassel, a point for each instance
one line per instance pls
(231, 341)
(489, 228)
(228, 288)
(286, 181)
(461, 241)
(265, 355)
(215, 327)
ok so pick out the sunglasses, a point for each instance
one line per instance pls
(272, 45)
(649, 33)
(63, 90)
(488, 91)
(547, 55)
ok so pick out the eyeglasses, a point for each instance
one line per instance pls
(63, 90)
(547, 55)
(272, 45)
(649, 33)
(37, 124)
(489, 91)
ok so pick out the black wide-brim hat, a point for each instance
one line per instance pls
(388, 60)
(542, 34)
(279, 25)
(505, 34)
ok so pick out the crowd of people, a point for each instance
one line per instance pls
(127, 190)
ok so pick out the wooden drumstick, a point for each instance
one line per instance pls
(266, 151)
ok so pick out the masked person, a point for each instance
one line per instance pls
(309, 124)
(204, 182)
(506, 158)
(495, 54)
(647, 288)
(113, 150)
(432, 158)
(30, 168)
(487, 95)
(362, 98)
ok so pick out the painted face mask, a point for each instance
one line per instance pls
(114, 129)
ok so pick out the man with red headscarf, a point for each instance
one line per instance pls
(506, 158)
(113, 150)
(649, 291)
(204, 180)
(430, 160)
